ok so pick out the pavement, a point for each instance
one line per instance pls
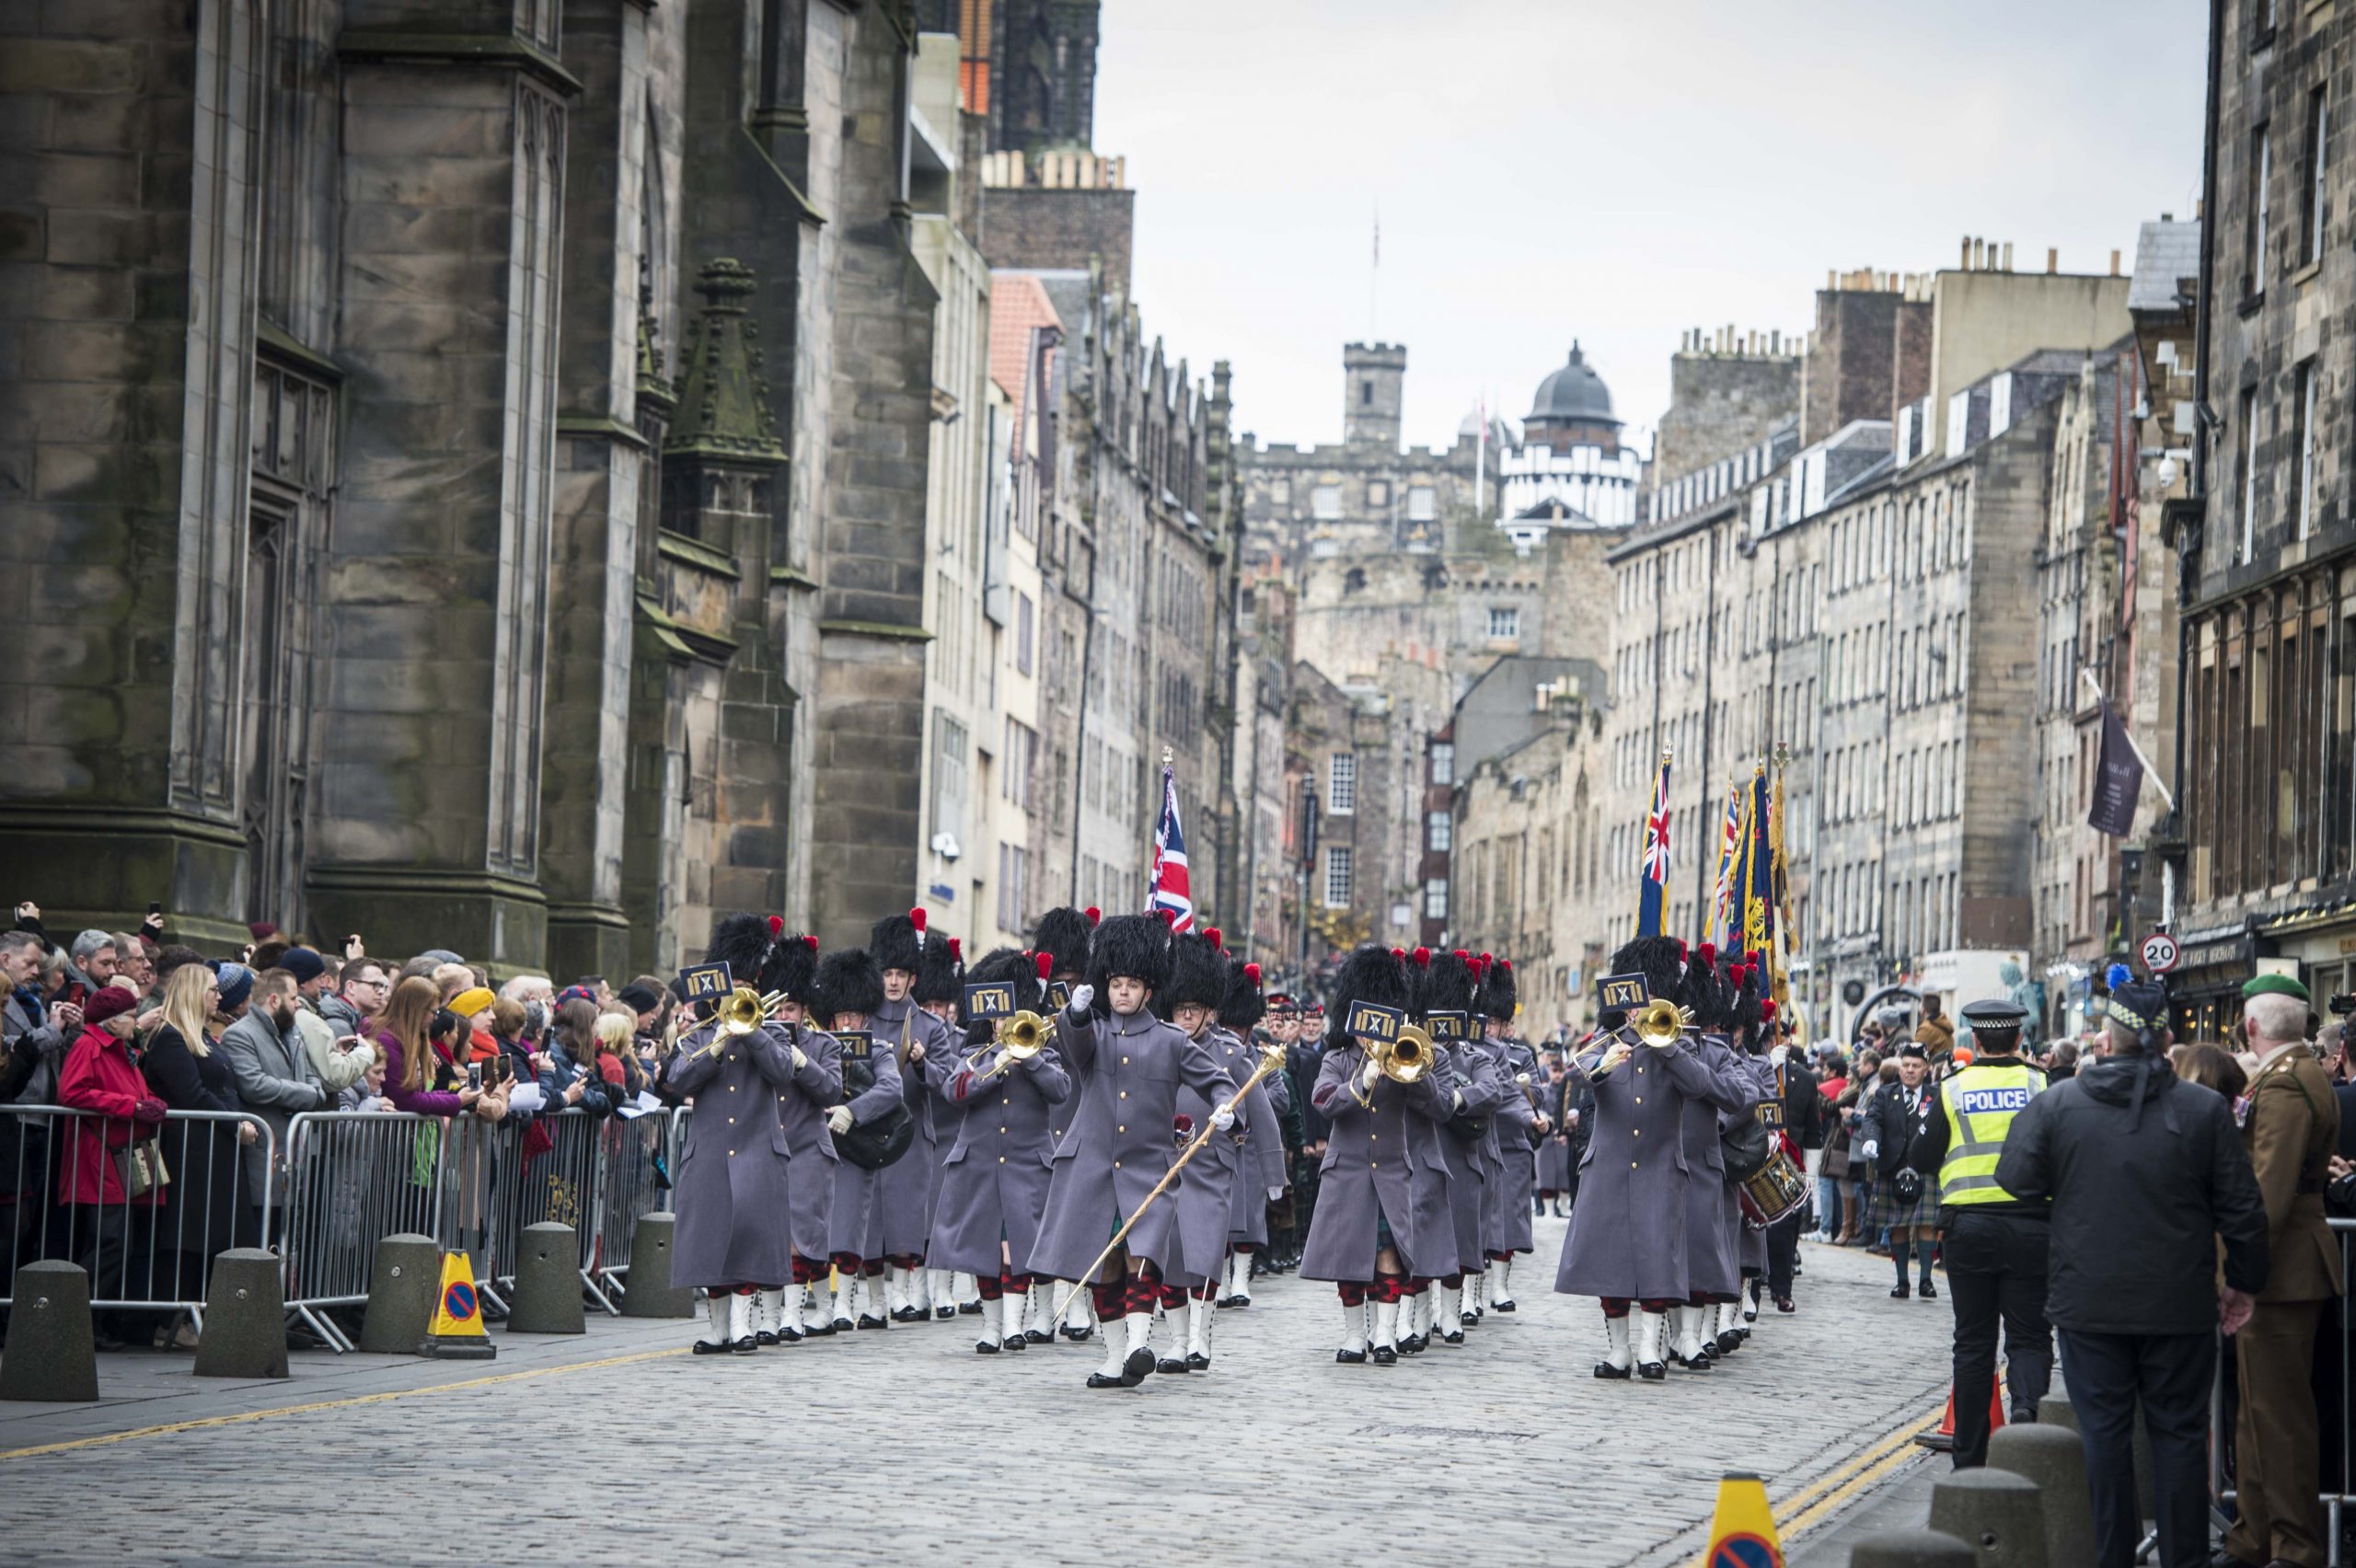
(904, 1447)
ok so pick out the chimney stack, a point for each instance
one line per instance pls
(2114, 263)
(2053, 260)
(1965, 264)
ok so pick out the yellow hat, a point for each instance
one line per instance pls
(468, 1003)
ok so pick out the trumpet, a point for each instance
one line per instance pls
(740, 1012)
(1407, 1058)
(1659, 1021)
(1020, 1036)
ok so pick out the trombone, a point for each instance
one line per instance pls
(740, 1012)
(1659, 1021)
(1407, 1058)
(1020, 1035)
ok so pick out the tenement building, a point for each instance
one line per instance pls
(2264, 847)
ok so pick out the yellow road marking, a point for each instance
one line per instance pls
(1811, 1503)
(202, 1423)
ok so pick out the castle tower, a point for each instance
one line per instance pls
(1374, 378)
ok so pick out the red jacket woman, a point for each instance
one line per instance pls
(98, 1075)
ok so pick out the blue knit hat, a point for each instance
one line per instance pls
(236, 982)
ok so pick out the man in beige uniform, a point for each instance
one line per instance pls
(2291, 1125)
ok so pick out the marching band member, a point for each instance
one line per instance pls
(1802, 1127)
(732, 1185)
(920, 1047)
(1448, 985)
(1713, 1216)
(1744, 1020)
(847, 994)
(809, 1147)
(1382, 1214)
(939, 988)
(1205, 1195)
(994, 1180)
(1127, 1066)
(1256, 1191)
(1062, 938)
(1628, 1241)
(1518, 1126)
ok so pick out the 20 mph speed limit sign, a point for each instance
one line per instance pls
(2159, 952)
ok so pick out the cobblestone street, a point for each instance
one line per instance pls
(905, 1445)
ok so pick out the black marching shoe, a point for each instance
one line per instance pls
(1901, 1291)
(1385, 1356)
(1616, 1373)
(1456, 1338)
(867, 1320)
(748, 1344)
(1197, 1361)
(724, 1347)
(1137, 1367)
(1037, 1336)
(1506, 1306)
(1097, 1380)
(970, 1309)
(1928, 1291)
(907, 1314)
(985, 1347)
(1650, 1371)
(942, 1314)
(764, 1338)
(1350, 1358)
(1079, 1336)
(1016, 1341)
(1171, 1366)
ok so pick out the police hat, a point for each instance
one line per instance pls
(1994, 1014)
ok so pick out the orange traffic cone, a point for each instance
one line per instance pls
(1943, 1440)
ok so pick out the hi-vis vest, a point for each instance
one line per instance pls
(1980, 1103)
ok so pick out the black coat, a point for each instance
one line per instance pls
(2141, 1194)
(1803, 1106)
(1302, 1059)
(208, 1207)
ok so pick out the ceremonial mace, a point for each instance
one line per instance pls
(1272, 1057)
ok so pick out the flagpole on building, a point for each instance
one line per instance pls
(2129, 736)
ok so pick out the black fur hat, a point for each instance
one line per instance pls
(1006, 966)
(1135, 945)
(1370, 974)
(1197, 976)
(849, 981)
(896, 941)
(1662, 961)
(1746, 992)
(1500, 997)
(743, 942)
(1244, 1007)
(793, 966)
(1708, 990)
(1447, 983)
(941, 970)
(1064, 935)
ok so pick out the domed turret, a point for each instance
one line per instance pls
(1573, 393)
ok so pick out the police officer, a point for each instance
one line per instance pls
(1995, 1243)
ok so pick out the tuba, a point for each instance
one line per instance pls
(1020, 1035)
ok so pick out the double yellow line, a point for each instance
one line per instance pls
(1818, 1500)
(205, 1423)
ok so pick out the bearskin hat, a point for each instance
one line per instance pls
(1370, 974)
(1745, 991)
(896, 941)
(849, 981)
(793, 966)
(1197, 976)
(1662, 961)
(743, 942)
(1014, 968)
(1135, 945)
(1243, 1007)
(1063, 935)
(1447, 984)
(1707, 991)
(941, 970)
(1500, 996)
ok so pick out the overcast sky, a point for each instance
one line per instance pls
(1552, 169)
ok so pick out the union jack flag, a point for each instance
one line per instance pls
(1730, 860)
(1168, 879)
(1653, 879)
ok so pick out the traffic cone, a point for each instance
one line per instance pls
(1742, 1528)
(1943, 1440)
(457, 1330)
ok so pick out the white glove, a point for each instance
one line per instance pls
(1778, 1053)
(1373, 1070)
(1870, 1151)
(1081, 996)
(1613, 1055)
(1223, 1118)
(1456, 1101)
(839, 1120)
(799, 1061)
(1276, 1194)
(1003, 1057)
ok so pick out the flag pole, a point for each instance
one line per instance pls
(2129, 736)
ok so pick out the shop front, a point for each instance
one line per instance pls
(2205, 988)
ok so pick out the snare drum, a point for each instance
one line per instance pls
(1776, 1190)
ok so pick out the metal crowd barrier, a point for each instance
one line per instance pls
(2338, 1493)
(152, 1251)
(364, 1175)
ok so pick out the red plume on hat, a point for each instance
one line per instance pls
(1708, 953)
(956, 950)
(1211, 935)
(1047, 963)
(1251, 974)
(1505, 966)
(1752, 958)
(1423, 958)
(1767, 1010)
(1167, 915)
(1682, 952)
(916, 919)
(777, 927)
(810, 940)
(1466, 956)
(1740, 974)
(1093, 914)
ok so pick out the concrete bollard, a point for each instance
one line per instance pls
(548, 1283)
(2055, 1410)
(1909, 1549)
(648, 1291)
(52, 1354)
(2054, 1461)
(1999, 1515)
(245, 1317)
(406, 1282)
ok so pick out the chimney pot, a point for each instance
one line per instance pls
(2052, 259)
(2114, 263)
(1965, 262)
(2008, 256)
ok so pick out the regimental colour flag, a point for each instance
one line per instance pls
(1721, 926)
(1168, 879)
(1653, 875)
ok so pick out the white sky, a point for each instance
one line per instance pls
(1552, 169)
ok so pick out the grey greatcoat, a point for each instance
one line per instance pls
(1751, 1246)
(1208, 1187)
(1116, 1144)
(802, 1108)
(855, 1219)
(906, 1186)
(733, 1188)
(1264, 1163)
(994, 1178)
(1629, 1236)
(1505, 1226)
(1713, 1218)
(1472, 1162)
(1361, 1181)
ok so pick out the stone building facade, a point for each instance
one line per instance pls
(486, 525)
(2264, 844)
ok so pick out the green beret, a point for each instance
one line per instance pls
(2274, 986)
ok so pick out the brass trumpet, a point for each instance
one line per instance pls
(740, 1012)
(1407, 1058)
(1020, 1036)
(1659, 1021)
